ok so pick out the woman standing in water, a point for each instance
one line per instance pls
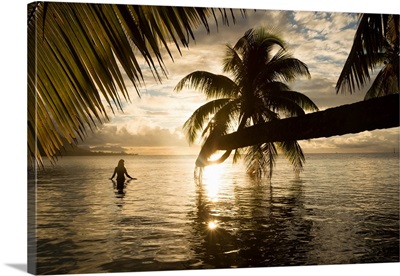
(120, 171)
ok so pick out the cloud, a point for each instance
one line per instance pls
(321, 90)
(144, 137)
(146, 140)
(369, 141)
(322, 40)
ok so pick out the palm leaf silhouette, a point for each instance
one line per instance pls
(80, 57)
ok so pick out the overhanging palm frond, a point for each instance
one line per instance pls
(212, 85)
(367, 40)
(80, 57)
(376, 34)
(294, 153)
(261, 159)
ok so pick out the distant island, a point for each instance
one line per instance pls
(74, 150)
(94, 153)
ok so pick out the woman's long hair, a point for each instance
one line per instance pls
(121, 163)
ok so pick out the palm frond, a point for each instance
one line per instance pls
(392, 30)
(79, 56)
(212, 85)
(294, 153)
(237, 155)
(233, 64)
(284, 67)
(244, 42)
(385, 83)
(261, 38)
(285, 100)
(200, 116)
(261, 159)
(225, 116)
(376, 34)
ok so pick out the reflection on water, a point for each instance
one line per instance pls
(256, 227)
(343, 209)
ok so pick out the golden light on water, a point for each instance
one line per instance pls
(212, 180)
(212, 225)
(214, 185)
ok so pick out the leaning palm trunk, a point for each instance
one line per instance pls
(377, 113)
(256, 94)
(80, 55)
(372, 114)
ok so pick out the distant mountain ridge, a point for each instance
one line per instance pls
(74, 150)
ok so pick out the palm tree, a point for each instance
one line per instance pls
(260, 66)
(80, 56)
(376, 45)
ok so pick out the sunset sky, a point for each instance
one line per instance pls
(152, 124)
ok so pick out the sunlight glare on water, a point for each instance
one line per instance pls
(211, 179)
(212, 225)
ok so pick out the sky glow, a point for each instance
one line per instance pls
(153, 123)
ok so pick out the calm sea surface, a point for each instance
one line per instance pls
(344, 208)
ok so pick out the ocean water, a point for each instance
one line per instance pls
(342, 209)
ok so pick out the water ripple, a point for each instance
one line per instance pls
(343, 209)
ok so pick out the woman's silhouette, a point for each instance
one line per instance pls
(120, 171)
